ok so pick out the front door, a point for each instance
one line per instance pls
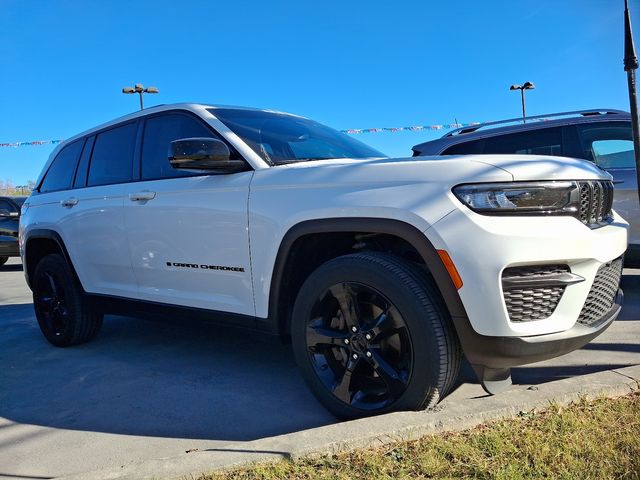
(188, 231)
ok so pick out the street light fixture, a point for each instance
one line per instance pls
(139, 89)
(522, 88)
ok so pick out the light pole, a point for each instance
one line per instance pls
(630, 66)
(139, 89)
(522, 88)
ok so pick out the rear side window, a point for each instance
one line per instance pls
(465, 148)
(159, 132)
(544, 141)
(112, 158)
(609, 145)
(7, 205)
(62, 169)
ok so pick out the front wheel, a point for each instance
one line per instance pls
(372, 335)
(3, 260)
(62, 314)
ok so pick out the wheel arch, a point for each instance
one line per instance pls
(41, 242)
(278, 315)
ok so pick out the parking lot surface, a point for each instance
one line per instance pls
(147, 389)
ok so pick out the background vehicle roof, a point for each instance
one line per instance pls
(512, 125)
(17, 198)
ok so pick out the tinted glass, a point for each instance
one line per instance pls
(613, 153)
(465, 148)
(83, 166)
(159, 132)
(544, 141)
(6, 205)
(283, 138)
(610, 145)
(60, 173)
(112, 158)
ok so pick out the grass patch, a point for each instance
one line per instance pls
(589, 439)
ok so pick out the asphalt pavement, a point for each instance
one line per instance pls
(148, 389)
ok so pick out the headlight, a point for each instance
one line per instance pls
(520, 198)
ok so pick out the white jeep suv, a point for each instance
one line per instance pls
(383, 272)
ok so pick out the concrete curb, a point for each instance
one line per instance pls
(380, 430)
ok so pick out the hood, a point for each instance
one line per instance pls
(466, 167)
(537, 167)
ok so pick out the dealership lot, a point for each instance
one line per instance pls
(147, 389)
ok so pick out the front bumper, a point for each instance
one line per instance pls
(483, 247)
(507, 352)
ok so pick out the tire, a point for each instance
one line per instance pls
(62, 314)
(395, 347)
(3, 260)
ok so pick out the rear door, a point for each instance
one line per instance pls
(188, 230)
(93, 222)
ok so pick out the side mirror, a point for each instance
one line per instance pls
(203, 154)
(4, 213)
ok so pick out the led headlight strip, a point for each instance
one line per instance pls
(521, 198)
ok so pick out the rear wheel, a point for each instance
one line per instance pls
(371, 335)
(3, 260)
(62, 314)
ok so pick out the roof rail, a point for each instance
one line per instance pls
(584, 113)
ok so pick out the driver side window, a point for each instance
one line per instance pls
(159, 132)
(609, 145)
(613, 153)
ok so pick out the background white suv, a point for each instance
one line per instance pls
(382, 271)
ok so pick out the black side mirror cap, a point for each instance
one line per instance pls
(202, 153)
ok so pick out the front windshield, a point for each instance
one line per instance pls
(281, 138)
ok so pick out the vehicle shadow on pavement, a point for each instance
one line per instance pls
(12, 267)
(174, 378)
(545, 374)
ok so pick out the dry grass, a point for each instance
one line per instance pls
(590, 439)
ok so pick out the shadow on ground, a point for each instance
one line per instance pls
(181, 378)
(12, 267)
(168, 378)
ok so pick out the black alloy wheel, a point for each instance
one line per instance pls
(359, 346)
(371, 335)
(63, 317)
(51, 303)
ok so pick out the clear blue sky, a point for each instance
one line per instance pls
(347, 64)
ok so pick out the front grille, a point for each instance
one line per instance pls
(603, 293)
(525, 304)
(596, 200)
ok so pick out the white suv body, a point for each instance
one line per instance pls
(236, 242)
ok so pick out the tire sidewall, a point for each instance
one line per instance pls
(56, 266)
(426, 359)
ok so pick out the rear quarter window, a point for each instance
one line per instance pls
(62, 169)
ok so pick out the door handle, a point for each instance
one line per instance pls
(142, 196)
(69, 202)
